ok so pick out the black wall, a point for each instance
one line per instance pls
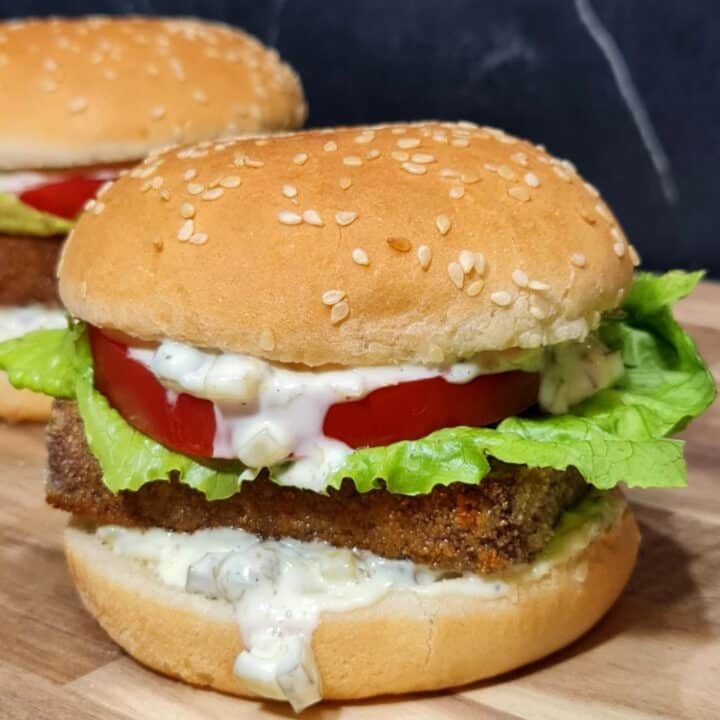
(627, 89)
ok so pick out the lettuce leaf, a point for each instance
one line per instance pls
(616, 436)
(17, 218)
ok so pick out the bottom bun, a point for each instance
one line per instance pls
(22, 405)
(404, 643)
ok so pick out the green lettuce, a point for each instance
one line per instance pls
(617, 435)
(17, 218)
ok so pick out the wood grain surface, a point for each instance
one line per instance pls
(655, 655)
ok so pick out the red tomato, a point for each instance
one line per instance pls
(64, 198)
(407, 411)
(186, 425)
(412, 410)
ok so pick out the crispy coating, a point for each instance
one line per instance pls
(506, 519)
(27, 269)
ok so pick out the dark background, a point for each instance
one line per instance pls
(627, 89)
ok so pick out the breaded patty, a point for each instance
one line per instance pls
(27, 269)
(483, 528)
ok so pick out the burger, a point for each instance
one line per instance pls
(346, 413)
(86, 98)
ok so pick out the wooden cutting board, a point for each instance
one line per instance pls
(655, 655)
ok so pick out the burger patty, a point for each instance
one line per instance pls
(27, 269)
(483, 528)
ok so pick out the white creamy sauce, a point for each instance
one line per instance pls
(280, 588)
(16, 183)
(267, 414)
(19, 320)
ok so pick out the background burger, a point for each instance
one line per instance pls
(365, 393)
(83, 99)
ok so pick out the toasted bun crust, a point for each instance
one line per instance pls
(402, 644)
(206, 246)
(98, 89)
(22, 405)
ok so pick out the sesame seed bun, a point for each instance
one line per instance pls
(100, 89)
(22, 405)
(404, 643)
(405, 243)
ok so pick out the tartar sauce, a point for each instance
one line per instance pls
(267, 413)
(280, 588)
(19, 320)
(16, 183)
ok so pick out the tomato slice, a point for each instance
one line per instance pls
(64, 198)
(183, 423)
(412, 410)
(407, 411)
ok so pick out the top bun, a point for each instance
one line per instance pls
(99, 89)
(417, 243)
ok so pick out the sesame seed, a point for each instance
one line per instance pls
(442, 223)
(199, 96)
(266, 340)
(199, 238)
(345, 217)
(345, 182)
(98, 207)
(634, 256)
(90, 204)
(289, 218)
(398, 131)
(479, 263)
(619, 249)
(469, 179)
(562, 174)
(460, 142)
(519, 193)
(448, 173)
(300, 158)
(466, 260)
(615, 232)
(490, 167)
(253, 163)
(531, 179)
(352, 161)
(501, 298)
(423, 158)
(195, 188)
(312, 217)
(77, 105)
(339, 312)
(578, 260)
(475, 288)
(372, 154)
(213, 194)
(330, 146)
(400, 244)
(157, 112)
(456, 192)
(538, 285)
(230, 181)
(187, 210)
(592, 190)
(157, 182)
(520, 278)
(360, 257)
(365, 137)
(505, 172)
(407, 143)
(414, 168)
(602, 211)
(456, 274)
(424, 255)
(50, 65)
(588, 217)
(519, 158)
(537, 312)
(331, 297)
(145, 186)
(186, 230)
(189, 174)
(399, 155)
(289, 191)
